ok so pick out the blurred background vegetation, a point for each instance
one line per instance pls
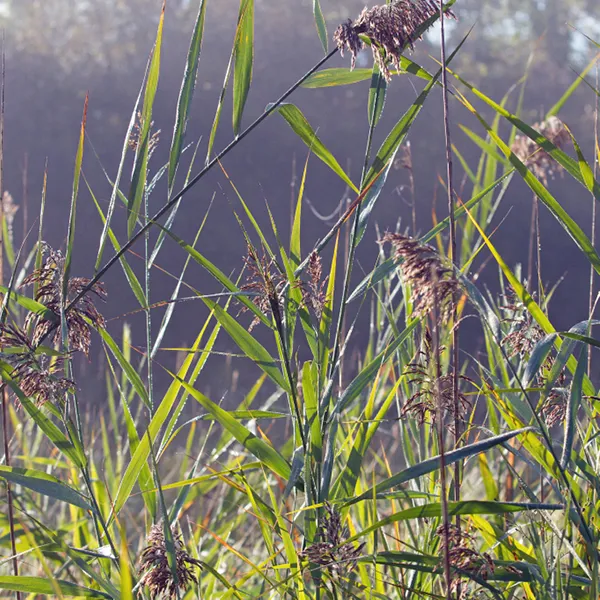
(57, 50)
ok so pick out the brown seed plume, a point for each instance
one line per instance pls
(538, 160)
(332, 551)
(432, 284)
(155, 572)
(391, 28)
(49, 278)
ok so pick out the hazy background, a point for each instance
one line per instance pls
(57, 50)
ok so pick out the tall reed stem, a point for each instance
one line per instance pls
(435, 341)
(596, 156)
(3, 391)
(453, 256)
(179, 195)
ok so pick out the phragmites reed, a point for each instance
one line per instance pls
(134, 138)
(155, 572)
(49, 278)
(434, 394)
(520, 341)
(390, 28)
(314, 291)
(332, 551)
(432, 284)
(536, 158)
(465, 560)
(264, 281)
(37, 376)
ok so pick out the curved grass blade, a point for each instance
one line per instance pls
(115, 186)
(260, 449)
(42, 585)
(44, 484)
(131, 277)
(71, 230)
(30, 305)
(186, 93)
(398, 133)
(561, 215)
(432, 464)
(337, 76)
(340, 76)
(140, 167)
(243, 59)
(321, 25)
(249, 345)
(573, 407)
(54, 434)
(569, 91)
(220, 277)
(465, 507)
(297, 121)
(530, 304)
(377, 95)
(561, 157)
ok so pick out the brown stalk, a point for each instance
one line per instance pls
(453, 259)
(435, 344)
(596, 156)
(9, 498)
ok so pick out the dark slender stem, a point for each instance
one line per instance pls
(593, 233)
(173, 201)
(352, 244)
(439, 422)
(9, 498)
(453, 254)
(531, 245)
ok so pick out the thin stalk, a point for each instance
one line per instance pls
(282, 339)
(435, 341)
(531, 245)
(9, 498)
(25, 194)
(453, 256)
(593, 233)
(148, 309)
(179, 195)
(352, 247)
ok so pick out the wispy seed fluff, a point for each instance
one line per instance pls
(538, 160)
(155, 572)
(391, 28)
(432, 284)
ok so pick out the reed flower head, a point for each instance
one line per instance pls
(464, 559)
(155, 572)
(134, 138)
(332, 551)
(434, 394)
(37, 376)
(264, 281)
(537, 159)
(314, 292)
(432, 284)
(554, 408)
(391, 28)
(49, 278)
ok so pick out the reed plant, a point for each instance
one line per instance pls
(418, 470)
